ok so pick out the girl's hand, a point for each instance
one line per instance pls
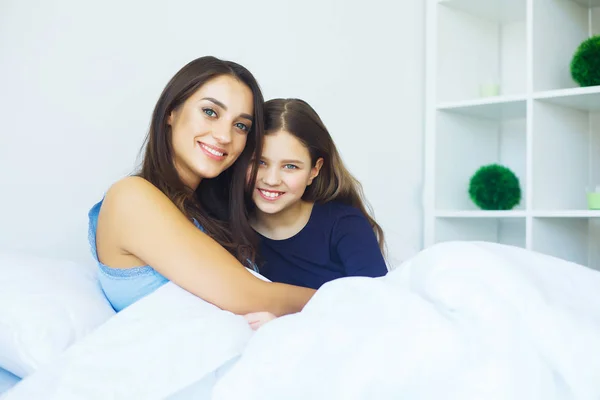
(258, 319)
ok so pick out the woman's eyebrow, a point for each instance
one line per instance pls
(224, 107)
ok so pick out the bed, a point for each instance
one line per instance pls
(7, 380)
(460, 320)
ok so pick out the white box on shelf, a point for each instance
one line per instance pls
(467, 141)
(574, 239)
(481, 45)
(566, 148)
(559, 27)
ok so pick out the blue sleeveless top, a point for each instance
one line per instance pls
(123, 286)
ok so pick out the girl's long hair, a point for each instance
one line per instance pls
(334, 182)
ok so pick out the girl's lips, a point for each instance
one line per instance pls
(270, 195)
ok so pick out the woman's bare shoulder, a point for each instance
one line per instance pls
(133, 208)
(127, 203)
(133, 195)
(131, 187)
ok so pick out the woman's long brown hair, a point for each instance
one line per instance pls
(217, 204)
(334, 182)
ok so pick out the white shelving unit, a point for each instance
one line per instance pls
(540, 123)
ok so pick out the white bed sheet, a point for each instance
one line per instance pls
(7, 380)
(458, 321)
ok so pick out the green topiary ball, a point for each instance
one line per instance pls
(495, 187)
(585, 65)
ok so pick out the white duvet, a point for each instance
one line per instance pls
(457, 321)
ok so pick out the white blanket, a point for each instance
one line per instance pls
(457, 321)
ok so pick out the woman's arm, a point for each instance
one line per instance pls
(142, 222)
(357, 247)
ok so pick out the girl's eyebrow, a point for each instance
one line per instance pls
(285, 161)
(224, 107)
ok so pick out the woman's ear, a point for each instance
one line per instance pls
(314, 172)
(172, 116)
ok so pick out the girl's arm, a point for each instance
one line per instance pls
(357, 247)
(141, 222)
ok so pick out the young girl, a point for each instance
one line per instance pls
(307, 207)
(168, 223)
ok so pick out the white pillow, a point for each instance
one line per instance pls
(45, 306)
(167, 343)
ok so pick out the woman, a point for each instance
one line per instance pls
(169, 222)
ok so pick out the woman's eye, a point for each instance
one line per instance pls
(290, 166)
(261, 162)
(243, 127)
(210, 112)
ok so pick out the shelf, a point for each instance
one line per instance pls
(497, 108)
(567, 213)
(498, 230)
(517, 214)
(479, 214)
(466, 143)
(565, 151)
(572, 239)
(474, 48)
(499, 90)
(588, 3)
(585, 99)
(559, 27)
(503, 11)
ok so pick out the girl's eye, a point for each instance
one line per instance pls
(290, 166)
(243, 127)
(210, 112)
(261, 162)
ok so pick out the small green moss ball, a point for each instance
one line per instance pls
(495, 187)
(585, 65)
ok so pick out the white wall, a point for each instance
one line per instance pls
(79, 80)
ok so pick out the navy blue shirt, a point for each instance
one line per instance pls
(337, 241)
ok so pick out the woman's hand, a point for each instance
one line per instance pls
(258, 319)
